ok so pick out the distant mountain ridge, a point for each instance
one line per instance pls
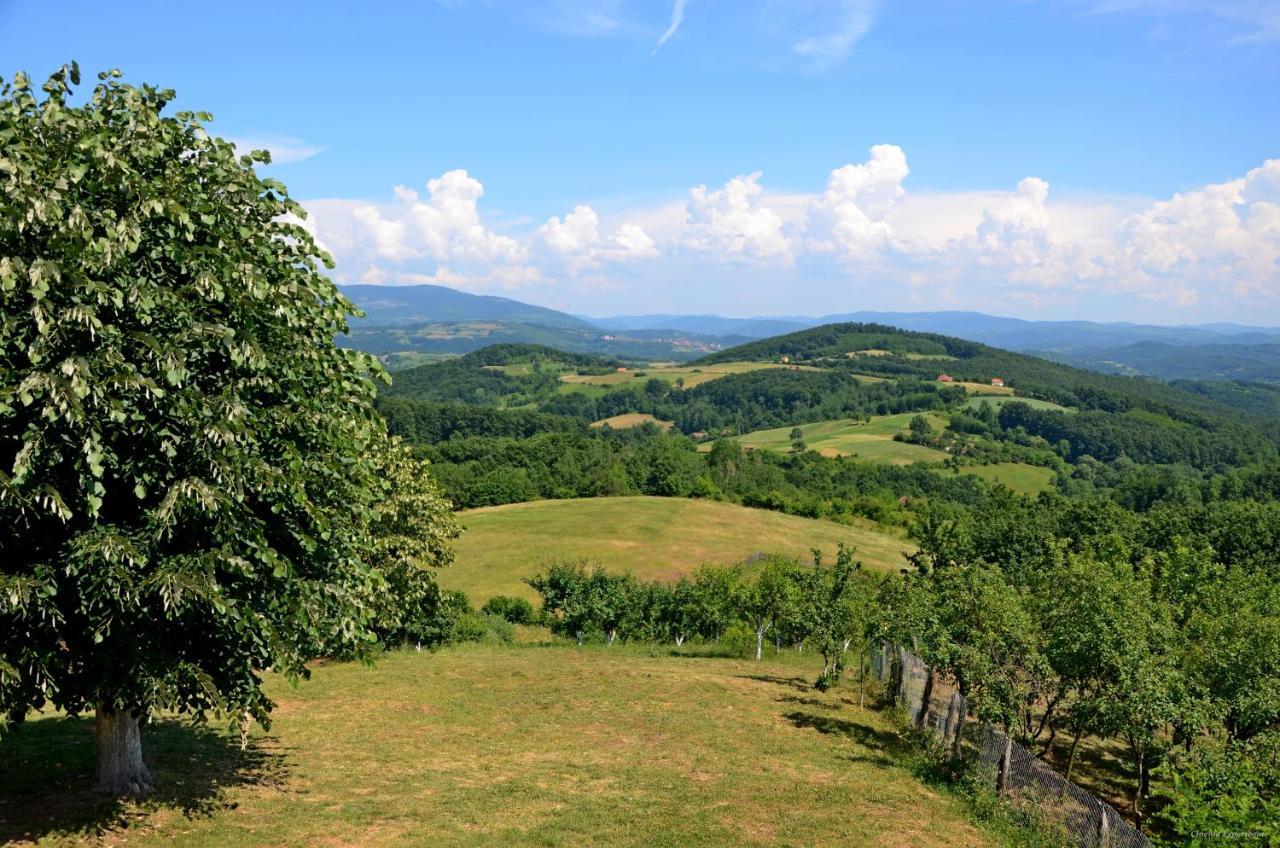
(402, 322)
(401, 305)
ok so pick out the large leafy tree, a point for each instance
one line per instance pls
(188, 465)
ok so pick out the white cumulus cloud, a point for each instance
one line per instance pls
(849, 217)
(734, 223)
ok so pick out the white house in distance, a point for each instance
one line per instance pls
(996, 381)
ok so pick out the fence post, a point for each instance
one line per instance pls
(1006, 759)
(1104, 827)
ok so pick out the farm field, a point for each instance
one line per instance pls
(983, 388)
(515, 746)
(632, 419)
(692, 375)
(653, 538)
(848, 437)
(1022, 478)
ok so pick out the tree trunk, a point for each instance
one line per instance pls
(612, 635)
(1141, 759)
(120, 769)
(925, 698)
(679, 639)
(862, 675)
(579, 638)
(759, 643)
(1071, 757)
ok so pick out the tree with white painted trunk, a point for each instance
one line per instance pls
(762, 597)
(190, 470)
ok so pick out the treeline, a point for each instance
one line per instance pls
(1137, 436)
(478, 379)
(826, 608)
(487, 471)
(758, 400)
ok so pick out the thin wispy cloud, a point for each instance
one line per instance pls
(677, 18)
(1255, 21)
(821, 32)
(284, 149)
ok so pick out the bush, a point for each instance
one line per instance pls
(514, 610)
(499, 631)
(469, 627)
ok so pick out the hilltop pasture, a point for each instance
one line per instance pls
(652, 538)
(524, 746)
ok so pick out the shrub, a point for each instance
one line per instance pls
(469, 627)
(514, 610)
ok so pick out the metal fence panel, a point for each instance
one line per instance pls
(1025, 779)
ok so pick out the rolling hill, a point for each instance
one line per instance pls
(653, 538)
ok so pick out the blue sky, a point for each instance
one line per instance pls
(1042, 159)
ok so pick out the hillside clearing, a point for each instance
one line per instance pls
(510, 746)
(690, 375)
(653, 538)
(632, 419)
(983, 388)
(999, 401)
(872, 441)
(1018, 476)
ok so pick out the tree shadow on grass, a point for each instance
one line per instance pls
(800, 684)
(46, 768)
(863, 734)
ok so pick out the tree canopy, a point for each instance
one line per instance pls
(190, 470)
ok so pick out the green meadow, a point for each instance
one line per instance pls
(653, 538)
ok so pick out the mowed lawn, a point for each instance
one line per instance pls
(652, 538)
(1018, 476)
(871, 441)
(534, 746)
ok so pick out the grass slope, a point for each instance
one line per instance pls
(653, 538)
(670, 373)
(632, 419)
(1022, 478)
(848, 437)
(508, 746)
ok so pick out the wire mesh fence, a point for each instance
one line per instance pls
(935, 706)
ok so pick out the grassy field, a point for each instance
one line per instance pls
(998, 402)
(983, 388)
(653, 538)
(692, 376)
(505, 746)
(848, 437)
(632, 419)
(1022, 478)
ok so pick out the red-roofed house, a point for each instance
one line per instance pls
(946, 378)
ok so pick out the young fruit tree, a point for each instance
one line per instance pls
(189, 467)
